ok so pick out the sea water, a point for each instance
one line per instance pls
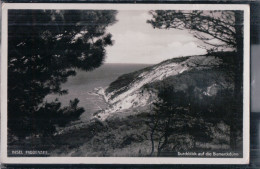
(83, 84)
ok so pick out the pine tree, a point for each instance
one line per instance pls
(218, 30)
(44, 49)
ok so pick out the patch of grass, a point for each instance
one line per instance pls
(199, 78)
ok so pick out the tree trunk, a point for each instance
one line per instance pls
(152, 141)
(159, 149)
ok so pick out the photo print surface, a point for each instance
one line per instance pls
(150, 83)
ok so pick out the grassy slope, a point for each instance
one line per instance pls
(202, 79)
(123, 81)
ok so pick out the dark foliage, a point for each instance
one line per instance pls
(44, 49)
(51, 114)
(176, 114)
(179, 114)
(217, 29)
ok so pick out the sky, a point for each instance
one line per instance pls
(136, 41)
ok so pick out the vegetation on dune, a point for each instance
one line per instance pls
(121, 84)
(192, 114)
(126, 137)
(202, 79)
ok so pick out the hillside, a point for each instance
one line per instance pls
(132, 93)
(124, 129)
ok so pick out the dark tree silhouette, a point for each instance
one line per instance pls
(176, 114)
(215, 28)
(218, 30)
(44, 49)
(190, 113)
(225, 107)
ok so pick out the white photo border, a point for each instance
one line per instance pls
(125, 160)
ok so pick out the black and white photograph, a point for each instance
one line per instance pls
(125, 83)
